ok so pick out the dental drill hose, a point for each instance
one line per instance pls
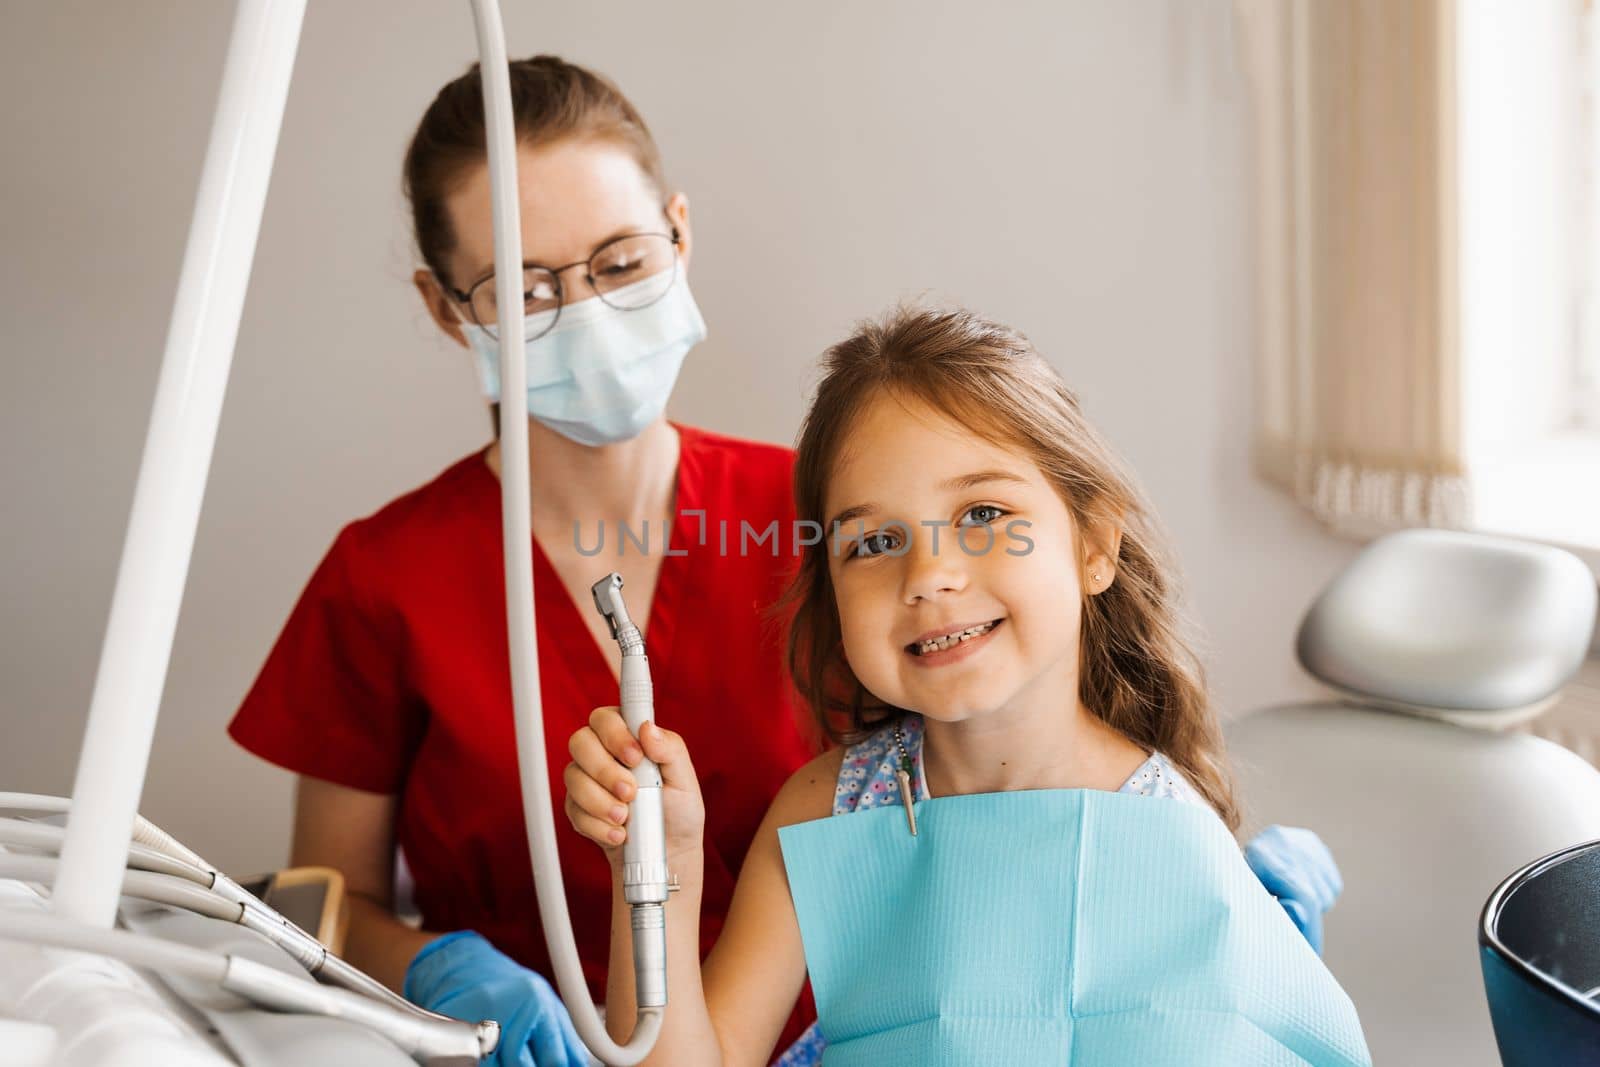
(646, 882)
(516, 536)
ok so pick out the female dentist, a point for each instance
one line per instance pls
(388, 691)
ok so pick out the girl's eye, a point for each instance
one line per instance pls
(981, 515)
(876, 544)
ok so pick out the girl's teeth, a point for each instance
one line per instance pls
(939, 644)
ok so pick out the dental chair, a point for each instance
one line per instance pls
(1435, 645)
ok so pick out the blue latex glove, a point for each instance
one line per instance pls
(463, 976)
(1297, 868)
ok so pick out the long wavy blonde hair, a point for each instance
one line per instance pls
(1136, 671)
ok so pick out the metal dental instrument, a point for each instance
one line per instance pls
(157, 873)
(645, 880)
(429, 1040)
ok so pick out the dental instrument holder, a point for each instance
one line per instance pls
(646, 882)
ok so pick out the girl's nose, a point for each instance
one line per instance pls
(931, 572)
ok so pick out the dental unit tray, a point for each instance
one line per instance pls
(171, 962)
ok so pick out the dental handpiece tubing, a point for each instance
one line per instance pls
(644, 854)
(516, 536)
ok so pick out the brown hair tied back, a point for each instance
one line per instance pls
(1136, 671)
(551, 100)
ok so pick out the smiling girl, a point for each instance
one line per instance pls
(990, 613)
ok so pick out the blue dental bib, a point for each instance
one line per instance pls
(1054, 927)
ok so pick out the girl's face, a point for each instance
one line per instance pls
(913, 566)
(575, 195)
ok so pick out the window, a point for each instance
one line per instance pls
(1528, 138)
(1585, 413)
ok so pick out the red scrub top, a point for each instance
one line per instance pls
(392, 675)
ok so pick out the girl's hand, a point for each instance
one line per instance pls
(600, 784)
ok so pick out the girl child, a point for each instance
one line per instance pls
(988, 613)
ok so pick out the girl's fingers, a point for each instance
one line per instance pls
(593, 798)
(594, 760)
(667, 750)
(602, 833)
(613, 732)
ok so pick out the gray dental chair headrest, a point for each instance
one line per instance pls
(1481, 631)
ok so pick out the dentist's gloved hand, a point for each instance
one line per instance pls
(463, 976)
(1297, 868)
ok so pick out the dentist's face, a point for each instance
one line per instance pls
(902, 601)
(574, 196)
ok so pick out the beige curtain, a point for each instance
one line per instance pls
(1358, 393)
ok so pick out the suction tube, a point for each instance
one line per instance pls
(516, 527)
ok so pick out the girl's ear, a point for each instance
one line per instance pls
(1102, 543)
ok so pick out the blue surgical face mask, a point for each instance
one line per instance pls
(601, 375)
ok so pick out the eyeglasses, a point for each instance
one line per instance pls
(628, 273)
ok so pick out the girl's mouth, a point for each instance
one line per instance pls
(946, 648)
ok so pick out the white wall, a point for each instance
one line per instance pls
(1077, 169)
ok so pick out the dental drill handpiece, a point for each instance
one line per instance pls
(646, 882)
